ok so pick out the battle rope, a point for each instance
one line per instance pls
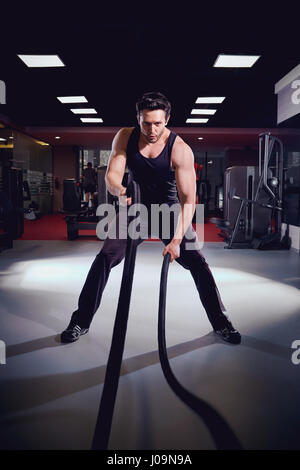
(110, 388)
(222, 434)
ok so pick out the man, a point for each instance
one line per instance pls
(89, 181)
(163, 165)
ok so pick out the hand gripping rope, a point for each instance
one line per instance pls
(219, 429)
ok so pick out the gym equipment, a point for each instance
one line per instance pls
(103, 194)
(292, 196)
(6, 222)
(220, 430)
(32, 212)
(219, 195)
(71, 196)
(79, 215)
(204, 189)
(252, 218)
(12, 201)
(219, 198)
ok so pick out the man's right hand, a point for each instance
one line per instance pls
(123, 199)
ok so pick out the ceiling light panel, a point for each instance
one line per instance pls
(41, 60)
(84, 111)
(196, 120)
(91, 119)
(203, 111)
(237, 61)
(210, 99)
(72, 99)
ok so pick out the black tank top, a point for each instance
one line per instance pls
(154, 175)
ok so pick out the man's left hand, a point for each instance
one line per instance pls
(173, 249)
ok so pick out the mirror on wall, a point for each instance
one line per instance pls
(34, 159)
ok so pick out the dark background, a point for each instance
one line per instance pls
(112, 58)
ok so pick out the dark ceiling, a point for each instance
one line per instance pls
(112, 64)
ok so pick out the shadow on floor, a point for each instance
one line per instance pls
(36, 391)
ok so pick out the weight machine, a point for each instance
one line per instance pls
(79, 215)
(253, 201)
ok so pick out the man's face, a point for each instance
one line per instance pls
(152, 124)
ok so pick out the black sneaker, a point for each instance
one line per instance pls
(229, 334)
(72, 333)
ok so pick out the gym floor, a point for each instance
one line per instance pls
(50, 392)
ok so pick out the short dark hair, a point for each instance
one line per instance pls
(153, 100)
(89, 164)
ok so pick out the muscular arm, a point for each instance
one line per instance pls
(183, 160)
(117, 163)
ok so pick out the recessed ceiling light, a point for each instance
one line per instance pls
(41, 60)
(11, 137)
(192, 120)
(200, 138)
(91, 119)
(2, 139)
(84, 111)
(72, 99)
(203, 111)
(226, 60)
(210, 99)
(57, 137)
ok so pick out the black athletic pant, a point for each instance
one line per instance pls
(113, 252)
